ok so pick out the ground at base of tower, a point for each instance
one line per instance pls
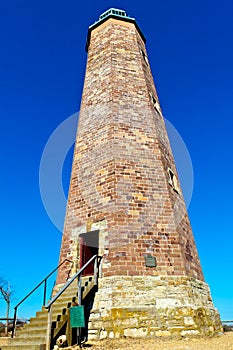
(222, 342)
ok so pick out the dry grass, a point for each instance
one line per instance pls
(223, 342)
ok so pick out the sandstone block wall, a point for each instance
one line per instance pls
(153, 307)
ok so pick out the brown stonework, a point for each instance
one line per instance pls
(124, 181)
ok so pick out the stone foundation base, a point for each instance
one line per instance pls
(152, 322)
(152, 306)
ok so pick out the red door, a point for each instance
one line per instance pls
(89, 246)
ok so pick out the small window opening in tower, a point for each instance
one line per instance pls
(144, 56)
(155, 103)
(172, 179)
(171, 176)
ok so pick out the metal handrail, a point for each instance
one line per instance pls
(61, 291)
(33, 290)
(70, 281)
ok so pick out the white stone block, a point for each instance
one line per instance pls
(130, 332)
(111, 335)
(188, 321)
(189, 332)
(103, 334)
(162, 333)
(135, 332)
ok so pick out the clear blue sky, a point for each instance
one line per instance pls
(42, 65)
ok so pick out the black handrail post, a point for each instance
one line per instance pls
(14, 323)
(45, 291)
(49, 323)
(79, 303)
(96, 271)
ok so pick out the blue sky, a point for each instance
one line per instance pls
(42, 66)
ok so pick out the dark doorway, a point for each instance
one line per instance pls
(89, 246)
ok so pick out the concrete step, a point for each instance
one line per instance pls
(59, 310)
(29, 340)
(32, 336)
(24, 346)
(36, 330)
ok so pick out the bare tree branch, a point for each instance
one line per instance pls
(5, 290)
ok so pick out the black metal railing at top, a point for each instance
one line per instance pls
(44, 281)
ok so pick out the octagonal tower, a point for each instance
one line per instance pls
(125, 201)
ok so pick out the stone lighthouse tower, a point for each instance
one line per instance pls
(125, 202)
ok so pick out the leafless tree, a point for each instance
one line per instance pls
(6, 292)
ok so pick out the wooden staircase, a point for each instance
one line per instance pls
(33, 335)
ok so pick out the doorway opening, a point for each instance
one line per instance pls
(89, 246)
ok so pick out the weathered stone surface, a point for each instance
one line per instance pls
(134, 310)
